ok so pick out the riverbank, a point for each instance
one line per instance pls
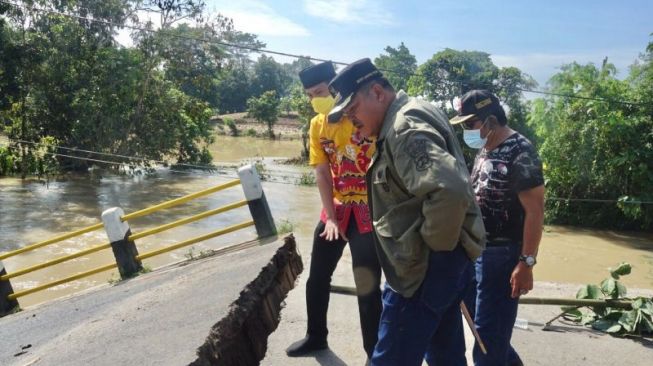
(287, 127)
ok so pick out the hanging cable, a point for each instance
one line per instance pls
(145, 160)
(596, 200)
(285, 177)
(286, 54)
(162, 162)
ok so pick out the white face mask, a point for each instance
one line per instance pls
(473, 138)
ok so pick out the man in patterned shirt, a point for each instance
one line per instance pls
(509, 188)
(340, 157)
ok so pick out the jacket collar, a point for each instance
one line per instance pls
(400, 100)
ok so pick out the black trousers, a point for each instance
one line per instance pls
(367, 276)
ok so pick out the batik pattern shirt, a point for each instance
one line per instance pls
(497, 178)
(348, 155)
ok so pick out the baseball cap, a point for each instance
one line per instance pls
(476, 104)
(315, 74)
(347, 82)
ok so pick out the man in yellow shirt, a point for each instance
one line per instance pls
(340, 157)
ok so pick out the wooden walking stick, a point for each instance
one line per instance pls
(472, 327)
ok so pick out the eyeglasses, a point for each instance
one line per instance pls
(352, 108)
(469, 124)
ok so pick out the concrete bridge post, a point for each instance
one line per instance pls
(258, 204)
(123, 249)
(6, 305)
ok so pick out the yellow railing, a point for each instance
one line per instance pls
(187, 220)
(56, 239)
(133, 215)
(196, 240)
(180, 200)
(55, 261)
(148, 232)
(44, 286)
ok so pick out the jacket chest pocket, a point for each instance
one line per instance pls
(380, 179)
(384, 185)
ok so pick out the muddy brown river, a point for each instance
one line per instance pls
(32, 211)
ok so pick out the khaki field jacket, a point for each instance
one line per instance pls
(420, 195)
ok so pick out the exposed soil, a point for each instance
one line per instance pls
(240, 338)
(286, 127)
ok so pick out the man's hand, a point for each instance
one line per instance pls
(521, 280)
(332, 231)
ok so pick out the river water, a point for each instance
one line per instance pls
(32, 211)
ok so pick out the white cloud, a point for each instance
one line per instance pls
(254, 16)
(350, 11)
(251, 16)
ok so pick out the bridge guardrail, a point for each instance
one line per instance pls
(122, 241)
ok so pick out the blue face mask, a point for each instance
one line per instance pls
(473, 138)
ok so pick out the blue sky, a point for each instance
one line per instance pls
(536, 36)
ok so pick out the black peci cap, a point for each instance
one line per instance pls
(347, 82)
(477, 104)
(315, 74)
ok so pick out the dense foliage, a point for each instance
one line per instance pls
(598, 149)
(398, 64)
(69, 80)
(264, 109)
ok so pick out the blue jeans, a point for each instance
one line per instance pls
(494, 309)
(427, 325)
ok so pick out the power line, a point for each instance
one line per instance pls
(286, 54)
(222, 43)
(278, 177)
(580, 97)
(597, 200)
(102, 161)
(162, 162)
(286, 177)
(134, 158)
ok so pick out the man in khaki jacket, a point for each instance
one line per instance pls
(428, 226)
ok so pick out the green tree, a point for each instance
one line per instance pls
(66, 81)
(641, 79)
(292, 69)
(234, 86)
(172, 11)
(192, 65)
(302, 105)
(508, 87)
(398, 65)
(198, 62)
(595, 149)
(269, 75)
(264, 109)
(451, 73)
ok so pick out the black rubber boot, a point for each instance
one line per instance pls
(305, 346)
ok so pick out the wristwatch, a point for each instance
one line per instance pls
(529, 260)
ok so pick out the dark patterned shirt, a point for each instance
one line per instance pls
(498, 176)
